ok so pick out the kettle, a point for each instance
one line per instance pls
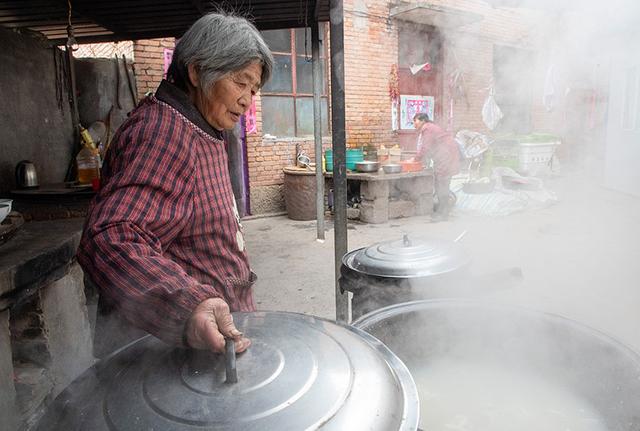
(26, 176)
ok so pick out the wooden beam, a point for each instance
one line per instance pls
(199, 6)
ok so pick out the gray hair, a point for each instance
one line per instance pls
(218, 44)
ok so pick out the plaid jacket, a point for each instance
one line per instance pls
(163, 234)
(438, 145)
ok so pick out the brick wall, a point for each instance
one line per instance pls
(149, 63)
(266, 157)
(470, 49)
(371, 48)
(106, 50)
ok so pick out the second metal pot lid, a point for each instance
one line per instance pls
(300, 373)
(408, 257)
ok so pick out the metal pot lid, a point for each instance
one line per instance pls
(407, 258)
(300, 372)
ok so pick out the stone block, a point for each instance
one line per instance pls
(424, 205)
(33, 391)
(374, 211)
(372, 190)
(8, 411)
(267, 199)
(353, 213)
(401, 208)
(67, 328)
(416, 187)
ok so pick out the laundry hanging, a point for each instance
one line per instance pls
(415, 68)
(491, 112)
(548, 95)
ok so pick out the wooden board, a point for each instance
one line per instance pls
(54, 189)
(10, 225)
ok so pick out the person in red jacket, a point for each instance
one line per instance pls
(163, 241)
(437, 145)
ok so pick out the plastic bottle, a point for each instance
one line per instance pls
(86, 137)
(88, 162)
(88, 159)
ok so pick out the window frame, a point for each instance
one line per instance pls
(295, 95)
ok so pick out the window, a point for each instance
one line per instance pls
(287, 99)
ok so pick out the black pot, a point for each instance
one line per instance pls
(398, 271)
(517, 342)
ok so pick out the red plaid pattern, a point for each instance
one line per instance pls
(163, 233)
(437, 144)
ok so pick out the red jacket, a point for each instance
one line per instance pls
(438, 145)
(163, 234)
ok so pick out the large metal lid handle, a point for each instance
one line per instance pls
(230, 360)
(406, 241)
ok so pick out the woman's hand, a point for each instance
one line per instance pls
(210, 323)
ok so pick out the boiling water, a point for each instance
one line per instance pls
(471, 397)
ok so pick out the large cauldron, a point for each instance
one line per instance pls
(403, 270)
(300, 373)
(409, 269)
(583, 362)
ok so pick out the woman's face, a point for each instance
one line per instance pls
(417, 123)
(229, 98)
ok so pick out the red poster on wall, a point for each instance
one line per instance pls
(411, 105)
(252, 125)
(168, 55)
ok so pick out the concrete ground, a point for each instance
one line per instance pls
(580, 257)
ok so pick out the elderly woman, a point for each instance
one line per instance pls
(163, 241)
(436, 144)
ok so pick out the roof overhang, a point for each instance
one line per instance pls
(434, 15)
(116, 20)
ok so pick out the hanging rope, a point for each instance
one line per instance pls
(61, 82)
(306, 26)
(69, 13)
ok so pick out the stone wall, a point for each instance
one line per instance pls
(103, 91)
(35, 116)
(267, 199)
(46, 339)
(10, 418)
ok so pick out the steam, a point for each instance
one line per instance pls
(555, 59)
(487, 367)
(568, 69)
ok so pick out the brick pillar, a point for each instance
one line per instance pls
(148, 56)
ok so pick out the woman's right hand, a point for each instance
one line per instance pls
(210, 323)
